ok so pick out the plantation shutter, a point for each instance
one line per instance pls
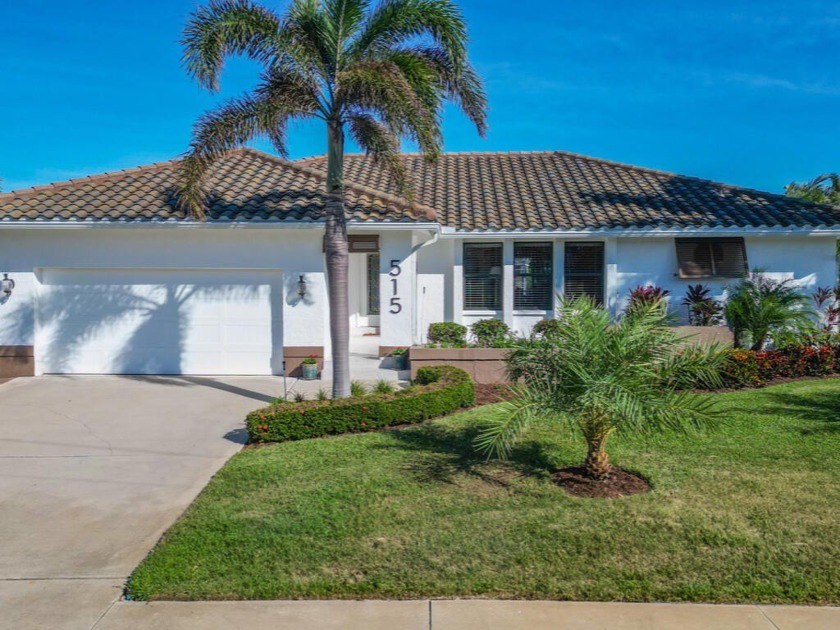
(584, 271)
(533, 276)
(711, 257)
(483, 276)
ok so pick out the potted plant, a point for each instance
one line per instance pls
(400, 358)
(309, 367)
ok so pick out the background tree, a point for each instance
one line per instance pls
(381, 74)
(822, 189)
(603, 377)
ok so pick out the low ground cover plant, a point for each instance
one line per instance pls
(437, 391)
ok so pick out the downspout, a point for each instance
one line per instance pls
(415, 315)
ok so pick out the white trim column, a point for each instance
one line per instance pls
(458, 283)
(507, 282)
(559, 273)
(611, 296)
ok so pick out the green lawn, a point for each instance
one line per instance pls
(749, 513)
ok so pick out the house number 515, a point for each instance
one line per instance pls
(396, 270)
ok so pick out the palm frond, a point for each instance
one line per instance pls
(228, 27)
(381, 88)
(506, 424)
(395, 22)
(377, 140)
(462, 85)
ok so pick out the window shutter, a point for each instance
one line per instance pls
(483, 276)
(711, 257)
(584, 271)
(533, 276)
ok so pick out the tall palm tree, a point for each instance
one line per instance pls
(822, 189)
(380, 73)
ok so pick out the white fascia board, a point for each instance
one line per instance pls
(640, 233)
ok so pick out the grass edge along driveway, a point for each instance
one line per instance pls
(747, 513)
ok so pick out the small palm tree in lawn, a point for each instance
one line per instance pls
(602, 377)
(380, 73)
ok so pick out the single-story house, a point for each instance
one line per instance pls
(110, 276)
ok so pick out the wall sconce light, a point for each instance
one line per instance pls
(302, 287)
(7, 285)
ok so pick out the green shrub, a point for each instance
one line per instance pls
(300, 397)
(322, 394)
(438, 390)
(490, 333)
(748, 368)
(546, 328)
(383, 387)
(448, 333)
(358, 389)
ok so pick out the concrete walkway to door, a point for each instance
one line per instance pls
(92, 471)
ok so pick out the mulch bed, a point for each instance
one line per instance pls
(489, 394)
(620, 483)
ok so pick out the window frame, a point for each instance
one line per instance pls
(486, 275)
(549, 275)
(710, 241)
(603, 272)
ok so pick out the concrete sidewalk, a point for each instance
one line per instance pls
(462, 615)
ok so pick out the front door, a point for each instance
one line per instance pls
(364, 290)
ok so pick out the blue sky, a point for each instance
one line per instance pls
(742, 92)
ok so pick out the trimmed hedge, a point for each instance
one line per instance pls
(448, 333)
(746, 368)
(438, 390)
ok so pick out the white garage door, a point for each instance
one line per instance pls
(132, 321)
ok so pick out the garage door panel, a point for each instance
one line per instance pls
(159, 322)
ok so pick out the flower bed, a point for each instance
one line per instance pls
(438, 391)
(746, 368)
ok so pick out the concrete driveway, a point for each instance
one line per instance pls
(92, 471)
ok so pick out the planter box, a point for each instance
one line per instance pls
(486, 366)
(16, 361)
(294, 356)
(706, 334)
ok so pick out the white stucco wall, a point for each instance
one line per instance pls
(294, 252)
(429, 287)
(634, 261)
(810, 260)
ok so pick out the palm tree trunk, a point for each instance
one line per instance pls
(597, 464)
(337, 261)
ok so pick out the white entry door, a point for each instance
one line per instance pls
(363, 289)
(140, 321)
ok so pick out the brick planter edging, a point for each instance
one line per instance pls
(486, 366)
(17, 361)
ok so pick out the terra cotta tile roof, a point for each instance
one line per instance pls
(245, 185)
(565, 191)
(465, 191)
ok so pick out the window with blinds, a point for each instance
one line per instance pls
(373, 284)
(533, 276)
(584, 271)
(711, 257)
(482, 276)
